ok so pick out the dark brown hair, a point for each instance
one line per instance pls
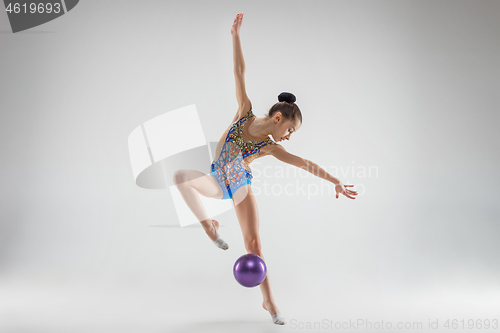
(289, 111)
(287, 107)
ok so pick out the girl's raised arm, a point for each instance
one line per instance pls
(239, 69)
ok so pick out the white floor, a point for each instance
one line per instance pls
(216, 303)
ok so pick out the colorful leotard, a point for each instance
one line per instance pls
(231, 167)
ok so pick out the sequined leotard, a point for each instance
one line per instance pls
(231, 166)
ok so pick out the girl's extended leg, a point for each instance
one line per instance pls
(245, 206)
(191, 184)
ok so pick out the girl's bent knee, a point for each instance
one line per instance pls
(179, 177)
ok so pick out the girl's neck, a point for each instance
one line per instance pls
(260, 128)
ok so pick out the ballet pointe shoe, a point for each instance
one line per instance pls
(219, 242)
(278, 318)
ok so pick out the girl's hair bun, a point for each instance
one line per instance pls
(286, 97)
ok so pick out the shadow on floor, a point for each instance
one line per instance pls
(178, 226)
(229, 326)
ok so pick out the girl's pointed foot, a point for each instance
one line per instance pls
(219, 242)
(278, 318)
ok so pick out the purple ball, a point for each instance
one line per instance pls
(250, 270)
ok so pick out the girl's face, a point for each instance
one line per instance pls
(284, 128)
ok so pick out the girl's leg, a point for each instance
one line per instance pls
(191, 184)
(245, 206)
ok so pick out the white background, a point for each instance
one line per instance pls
(408, 88)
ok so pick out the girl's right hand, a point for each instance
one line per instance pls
(341, 189)
(235, 29)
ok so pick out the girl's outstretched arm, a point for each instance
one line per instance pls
(239, 62)
(239, 69)
(281, 154)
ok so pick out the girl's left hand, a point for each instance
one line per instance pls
(341, 189)
(235, 29)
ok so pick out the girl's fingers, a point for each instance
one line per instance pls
(347, 193)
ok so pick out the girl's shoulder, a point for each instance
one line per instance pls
(244, 118)
(268, 148)
(248, 115)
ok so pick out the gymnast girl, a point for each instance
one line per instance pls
(246, 139)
